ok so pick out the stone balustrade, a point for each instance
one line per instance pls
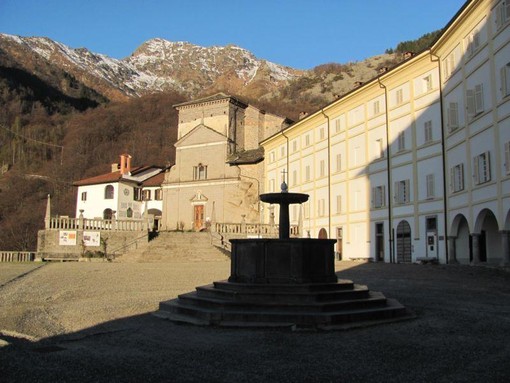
(251, 229)
(16, 256)
(66, 223)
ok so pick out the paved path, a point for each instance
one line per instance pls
(91, 322)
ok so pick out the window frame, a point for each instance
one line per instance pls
(379, 196)
(457, 178)
(109, 192)
(199, 172)
(402, 192)
(430, 181)
(482, 168)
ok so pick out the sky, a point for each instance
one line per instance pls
(297, 33)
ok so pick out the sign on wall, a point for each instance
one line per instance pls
(67, 238)
(91, 238)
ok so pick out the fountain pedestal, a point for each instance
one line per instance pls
(285, 282)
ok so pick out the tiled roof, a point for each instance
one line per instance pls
(245, 157)
(156, 180)
(214, 97)
(113, 177)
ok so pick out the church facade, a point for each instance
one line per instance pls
(218, 164)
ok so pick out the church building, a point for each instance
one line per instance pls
(217, 175)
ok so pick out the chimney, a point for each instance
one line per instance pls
(408, 55)
(357, 84)
(383, 69)
(125, 164)
(302, 115)
(115, 167)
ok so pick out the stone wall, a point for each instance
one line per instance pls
(50, 243)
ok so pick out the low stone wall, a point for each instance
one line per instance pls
(73, 244)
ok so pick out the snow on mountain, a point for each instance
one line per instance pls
(157, 65)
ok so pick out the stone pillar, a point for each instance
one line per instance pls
(476, 248)
(80, 220)
(243, 223)
(452, 254)
(505, 247)
(47, 216)
(284, 222)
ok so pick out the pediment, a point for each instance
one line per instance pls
(199, 197)
(200, 134)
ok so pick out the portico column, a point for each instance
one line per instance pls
(505, 247)
(476, 248)
(452, 254)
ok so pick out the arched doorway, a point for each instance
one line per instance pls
(107, 214)
(487, 229)
(404, 242)
(154, 218)
(460, 231)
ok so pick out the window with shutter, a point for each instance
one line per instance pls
(322, 168)
(453, 116)
(321, 207)
(376, 107)
(505, 80)
(502, 14)
(473, 42)
(401, 141)
(470, 101)
(399, 97)
(306, 210)
(402, 195)
(338, 204)
(481, 168)
(378, 196)
(428, 131)
(338, 162)
(457, 178)
(507, 157)
(427, 83)
(479, 98)
(430, 186)
(337, 125)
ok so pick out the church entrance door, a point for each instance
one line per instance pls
(198, 217)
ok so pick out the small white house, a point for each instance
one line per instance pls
(125, 193)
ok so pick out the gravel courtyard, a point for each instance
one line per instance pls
(81, 322)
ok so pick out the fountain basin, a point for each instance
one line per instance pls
(282, 261)
(286, 198)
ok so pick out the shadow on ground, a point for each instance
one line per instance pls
(461, 333)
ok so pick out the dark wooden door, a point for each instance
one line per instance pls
(404, 242)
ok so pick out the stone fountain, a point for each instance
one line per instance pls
(284, 282)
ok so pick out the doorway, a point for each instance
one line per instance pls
(379, 242)
(404, 242)
(198, 217)
(339, 242)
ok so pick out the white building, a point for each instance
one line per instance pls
(378, 162)
(125, 193)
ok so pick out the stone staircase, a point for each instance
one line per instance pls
(324, 306)
(176, 247)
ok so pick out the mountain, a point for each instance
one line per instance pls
(156, 66)
(159, 65)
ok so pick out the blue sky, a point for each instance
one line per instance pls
(297, 33)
